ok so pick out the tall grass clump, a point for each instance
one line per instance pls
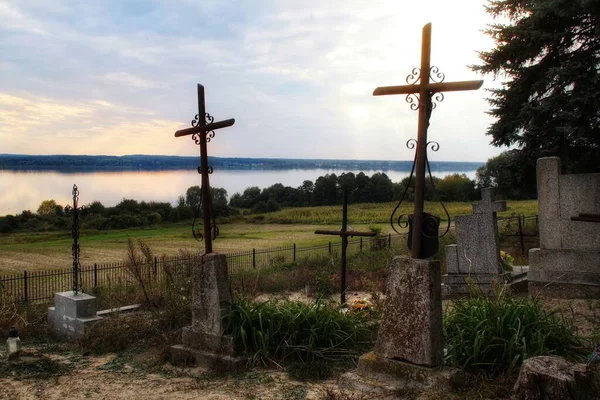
(274, 332)
(497, 334)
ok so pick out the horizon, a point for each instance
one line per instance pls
(251, 158)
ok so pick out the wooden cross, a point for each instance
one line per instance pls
(203, 127)
(344, 233)
(74, 211)
(425, 90)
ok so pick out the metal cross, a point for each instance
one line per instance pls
(202, 131)
(344, 233)
(420, 97)
(74, 211)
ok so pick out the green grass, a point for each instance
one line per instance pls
(52, 250)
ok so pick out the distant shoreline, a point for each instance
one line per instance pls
(69, 163)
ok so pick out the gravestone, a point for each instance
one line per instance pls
(567, 263)
(409, 347)
(476, 254)
(203, 341)
(73, 312)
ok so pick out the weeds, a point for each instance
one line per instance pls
(497, 334)
(270, 331)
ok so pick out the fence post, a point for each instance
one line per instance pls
(521, 235)
(361, 243)
(25, 296)
(155, 268)
(389, 240)
(253, 258)
(329, 247)
(95, 275)
(294, 252)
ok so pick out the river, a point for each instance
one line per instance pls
(25, 190)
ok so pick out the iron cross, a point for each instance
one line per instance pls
(426, 91)
(202, 131)
(344, 233)
(74, 211)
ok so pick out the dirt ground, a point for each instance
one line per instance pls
(142, 374)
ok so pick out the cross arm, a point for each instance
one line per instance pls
(431, 87)
(205, 128)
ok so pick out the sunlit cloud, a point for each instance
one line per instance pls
(119, 78)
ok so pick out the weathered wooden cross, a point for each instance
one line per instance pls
(74, 211)
(344, 233)
(202, 131)
(426, 91)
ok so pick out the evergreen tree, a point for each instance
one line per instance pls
(549, 104)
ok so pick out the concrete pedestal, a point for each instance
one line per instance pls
(203, 341)
(71, 315)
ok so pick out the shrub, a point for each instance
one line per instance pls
(497, 334)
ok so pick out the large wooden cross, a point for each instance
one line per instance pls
(425, 90)
(203, 127)
(344, 233)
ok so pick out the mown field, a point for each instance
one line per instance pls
(33, 251)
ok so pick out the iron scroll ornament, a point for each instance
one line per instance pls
(196, 232)
(402, 221)
(75, 210)
(413, 99)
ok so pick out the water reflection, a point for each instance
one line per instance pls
(25, 190)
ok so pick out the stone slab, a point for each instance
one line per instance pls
(411, 324)
(221, 344)
(548, 173)
(478, 246)
(211, 297)
(186, 356)
(72, 315)
(452, 266)
(380, 376)
(579, 193)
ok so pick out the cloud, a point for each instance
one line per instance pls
(296, 75)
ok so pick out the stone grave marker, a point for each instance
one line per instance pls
(409, 347)
(476, 254)
(73, 312)
(567, 264)
(203, 341)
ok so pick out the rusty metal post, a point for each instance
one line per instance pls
(424, 113)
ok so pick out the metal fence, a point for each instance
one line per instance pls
(40, 286)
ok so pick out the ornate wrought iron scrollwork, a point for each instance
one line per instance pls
(210, 135)
(196, 232)
(413, 100)
(435, 75)
(209, 118)
(75, 210)
(414, 76)
(401, 221)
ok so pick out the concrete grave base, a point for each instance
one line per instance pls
(203, 341)
(182, 355)
(376, 375)
(71, 315)
(455, 285)
(564, 273)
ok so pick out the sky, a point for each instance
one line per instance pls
(119, 77)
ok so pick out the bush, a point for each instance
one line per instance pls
(496, 335)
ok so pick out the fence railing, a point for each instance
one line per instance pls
(41, 285)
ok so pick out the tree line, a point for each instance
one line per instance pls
(326, 190)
